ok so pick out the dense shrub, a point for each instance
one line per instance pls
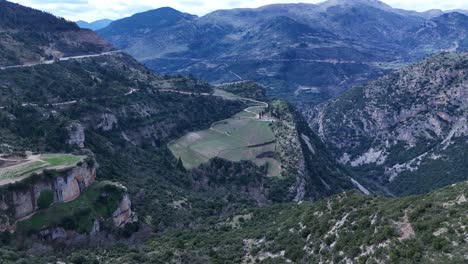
(46, 198)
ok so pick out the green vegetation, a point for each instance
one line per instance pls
(246, 89)
(21, 170)
(61, 160)
(46, 198)
(348, 227)
(98, 202)
(241, 137)
(40, 163)
(25, 30)
(392, 135)
(129, 116)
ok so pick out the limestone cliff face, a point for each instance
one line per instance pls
(124, 214)
(21, 202)
(304, 157)
(102, 225)
(406, 131)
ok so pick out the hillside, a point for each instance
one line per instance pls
(29, 36)
(405, 132)
(115, 110)
(304, 53)
(347, 228)
(294, 165)
(104, 161)
(56, 197)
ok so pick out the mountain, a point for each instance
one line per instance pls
(103, 160)
(110, 108)
(304, 53)
(347, 228)
(29, 36)
(405, 132)
(98, 24)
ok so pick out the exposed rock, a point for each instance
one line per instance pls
(123, 215)
(107, 122)
(96, 228)
(405, 228)
(400, 124)
(76, 135)
(53, 234)
(461, 199)
(66, 187)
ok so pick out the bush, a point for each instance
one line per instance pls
(45, 199)
(78, 259)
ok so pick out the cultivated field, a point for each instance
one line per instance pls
(23, 167)
(241, 137)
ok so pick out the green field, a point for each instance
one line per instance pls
(242, 137)
(38, 163)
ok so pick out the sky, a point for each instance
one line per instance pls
(91, 10)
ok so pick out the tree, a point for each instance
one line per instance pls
(180, 165)
(45, 199)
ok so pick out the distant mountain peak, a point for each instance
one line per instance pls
(96, 25)
(373, 3)
(156, 18)
(164, 12)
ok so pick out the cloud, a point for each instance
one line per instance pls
(91, 10)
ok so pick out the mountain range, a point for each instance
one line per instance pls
(304, 53)
(407, 131)
(105, 104)
(102, 160)
(96, 25)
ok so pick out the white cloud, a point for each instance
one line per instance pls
(91, 10)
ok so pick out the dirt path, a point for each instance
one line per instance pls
(29, 160)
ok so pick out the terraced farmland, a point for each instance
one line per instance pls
(241, 137)
(22, 168)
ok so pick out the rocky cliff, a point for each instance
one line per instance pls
(20, 200)
(111, 213)
(406, 131)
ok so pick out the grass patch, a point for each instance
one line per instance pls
(55, 160)
(241, 137)
(45, 161)
(21, 170)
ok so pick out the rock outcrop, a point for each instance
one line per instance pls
(76, 135)
(124, 214)
(406, 132)
(20, 200)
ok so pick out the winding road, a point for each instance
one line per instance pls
(217, 92)
(59, 59)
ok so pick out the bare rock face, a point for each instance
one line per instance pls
(123, 215)
(102, 225)
(107, 122)
(407, 131)
(76, 135)
(67, 187)
(53, 233)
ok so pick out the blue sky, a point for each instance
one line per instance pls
(91, 10)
